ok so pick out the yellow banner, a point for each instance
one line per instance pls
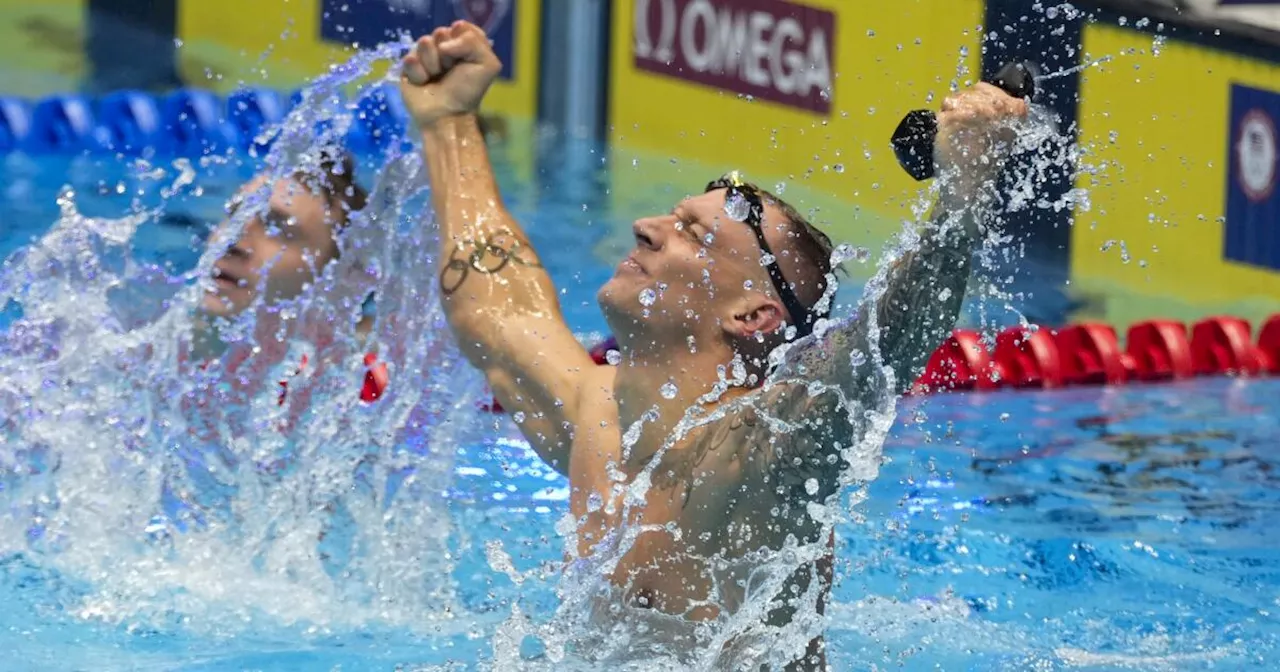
(1157, 118)
(284, 43)
(42, 47)
(806, 95)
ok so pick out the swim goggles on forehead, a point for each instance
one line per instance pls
(801, 316)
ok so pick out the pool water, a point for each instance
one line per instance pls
(1089, 528)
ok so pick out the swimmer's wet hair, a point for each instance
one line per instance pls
(336, 181)
(809, 242)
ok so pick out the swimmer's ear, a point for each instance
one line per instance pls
(754, 314)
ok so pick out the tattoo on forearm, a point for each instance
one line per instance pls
(486, 257)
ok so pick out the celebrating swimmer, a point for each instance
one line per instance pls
(710, 291)
(290, 234)
(284, 247)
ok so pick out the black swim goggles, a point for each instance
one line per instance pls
(802, 317)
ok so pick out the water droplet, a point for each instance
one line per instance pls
(1113, 136)
(668, 390)
(613, 357)
(1004, 417)
(518, 416)
(648, 297)
(811, 486)
(177, 42)
(839, 167)
(944, 294)
(747, 284)
(709, 239)
(857, 357)
(779, 188)
(737, 207)
(766, 259)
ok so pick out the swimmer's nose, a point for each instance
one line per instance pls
(238, 250)
(648, 236)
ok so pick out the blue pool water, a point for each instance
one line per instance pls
(1091, 528)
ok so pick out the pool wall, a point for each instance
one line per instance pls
(95, 46)
(1187, 127)
(1175, 228)
(1177, 114)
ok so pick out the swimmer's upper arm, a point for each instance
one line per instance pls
(537, 370)
(908, 309)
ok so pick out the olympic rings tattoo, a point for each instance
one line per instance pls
(485, 257)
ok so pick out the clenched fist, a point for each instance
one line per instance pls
(447, 73)
(975, 131)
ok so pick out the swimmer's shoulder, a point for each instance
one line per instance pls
(782, 435)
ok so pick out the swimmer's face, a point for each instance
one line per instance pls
(279, 251)
(699, 272)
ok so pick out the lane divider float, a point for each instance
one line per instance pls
(186, 122)
(1082, 354)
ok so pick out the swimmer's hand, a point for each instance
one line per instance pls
(447, 73)
(976, 130)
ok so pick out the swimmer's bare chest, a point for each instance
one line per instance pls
(698, 512)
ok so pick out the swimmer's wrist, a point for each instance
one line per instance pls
(454, 121)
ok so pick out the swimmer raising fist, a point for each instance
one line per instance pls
(448, 72)
(975, 129)
(694, 523)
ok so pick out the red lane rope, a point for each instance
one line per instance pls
(1089, 353)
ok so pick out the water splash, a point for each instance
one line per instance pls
(173, 491)
(338, 522)
(593, 625)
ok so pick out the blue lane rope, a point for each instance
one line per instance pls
(185, 122)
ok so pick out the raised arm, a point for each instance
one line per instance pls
(910, 307)
(498, 299)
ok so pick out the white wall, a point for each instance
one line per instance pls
(1265, 14)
